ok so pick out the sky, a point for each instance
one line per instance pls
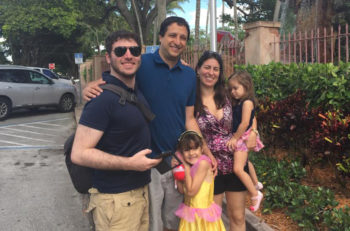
(190, 12)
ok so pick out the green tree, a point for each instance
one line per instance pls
(251, 11)
(39, 32)
(147, 12)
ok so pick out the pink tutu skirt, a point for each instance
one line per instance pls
(210, 214)
(241, 145)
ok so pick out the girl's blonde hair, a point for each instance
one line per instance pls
(245, 79)
(189, 140)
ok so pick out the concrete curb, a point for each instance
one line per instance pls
(253, 223)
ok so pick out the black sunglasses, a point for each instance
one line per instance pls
(120, 51)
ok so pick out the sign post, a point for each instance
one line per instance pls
(78, 58)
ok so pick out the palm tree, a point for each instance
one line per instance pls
(196, 28)
(170, 10)
(223, 13)
(171, 7)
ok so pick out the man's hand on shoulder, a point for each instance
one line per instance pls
(140, 162)
(93, 89)
(183, 62)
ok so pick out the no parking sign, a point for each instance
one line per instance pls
(51, 66)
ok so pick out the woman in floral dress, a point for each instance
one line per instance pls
(213, 112)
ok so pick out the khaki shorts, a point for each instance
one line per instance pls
(122, 211)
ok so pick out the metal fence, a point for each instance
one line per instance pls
(232, 53)
(321, 45)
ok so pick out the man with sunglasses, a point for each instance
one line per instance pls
(169, 87)
(114, 139)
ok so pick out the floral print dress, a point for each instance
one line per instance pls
(217, 133)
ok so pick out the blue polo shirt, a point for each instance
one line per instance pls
(126, 132)
(168, 92)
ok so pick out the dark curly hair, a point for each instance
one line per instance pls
(118, 35)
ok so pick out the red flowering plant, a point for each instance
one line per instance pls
(332, 140)
(288, 121)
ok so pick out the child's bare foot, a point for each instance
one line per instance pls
(257, 199)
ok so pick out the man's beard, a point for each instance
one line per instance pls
(121, 73)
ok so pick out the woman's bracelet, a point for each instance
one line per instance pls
(256, 131)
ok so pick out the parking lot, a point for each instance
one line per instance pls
(36, 190)
(41, 133)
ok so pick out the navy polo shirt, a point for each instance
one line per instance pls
(126, 132)
(168, 91)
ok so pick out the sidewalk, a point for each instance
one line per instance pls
(253, 222)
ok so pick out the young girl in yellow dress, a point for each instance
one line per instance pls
(198, 212)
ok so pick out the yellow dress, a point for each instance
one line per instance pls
(200, 213)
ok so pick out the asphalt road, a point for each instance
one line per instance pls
(35, 189)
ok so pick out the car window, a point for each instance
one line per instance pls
(5, 76)
(17, 76)
(50, 74)
(38, 78)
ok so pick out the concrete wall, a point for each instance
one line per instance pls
(261, 42)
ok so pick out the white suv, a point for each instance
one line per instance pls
(22, 87)
(53, 75)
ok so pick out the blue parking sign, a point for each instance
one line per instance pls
(78, 57)
(151, 49)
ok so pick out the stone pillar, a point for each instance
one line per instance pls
(262, 42)
(100, 65)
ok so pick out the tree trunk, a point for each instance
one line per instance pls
(161, 5)
(277, 11)
(147, 14)
(196, 30)
(207, 23)
(138, 21)
(223, 12)
(235, 18)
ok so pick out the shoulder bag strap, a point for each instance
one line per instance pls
(131, 98)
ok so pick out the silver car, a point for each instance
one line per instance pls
(22, 87)
(51, 74)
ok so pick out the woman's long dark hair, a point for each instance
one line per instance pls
(219, 87)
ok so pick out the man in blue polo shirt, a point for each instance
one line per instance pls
(169, 87)
(114, 139)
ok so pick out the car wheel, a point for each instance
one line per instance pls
(5, 108)
(66, 103)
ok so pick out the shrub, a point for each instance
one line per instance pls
(311, 208)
